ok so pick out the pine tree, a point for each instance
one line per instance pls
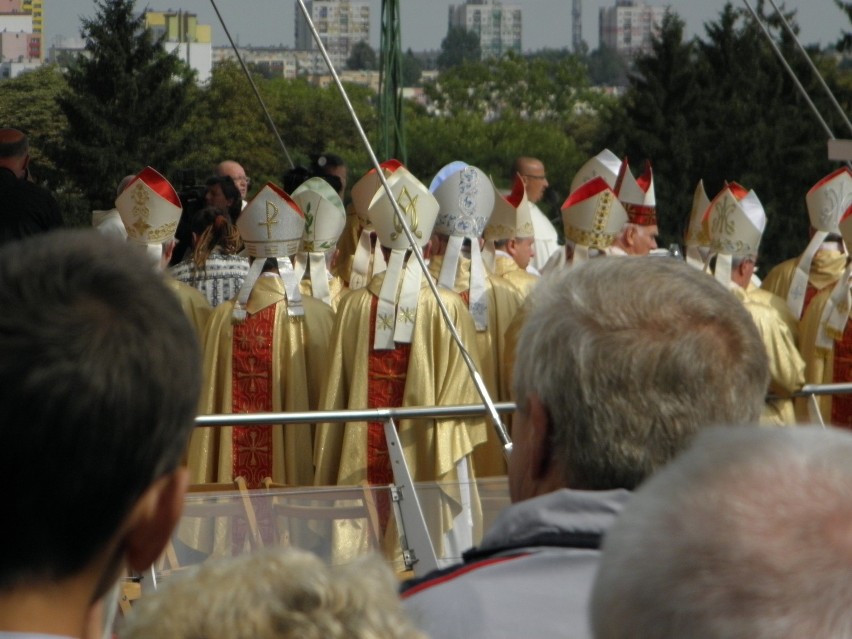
(125, 103)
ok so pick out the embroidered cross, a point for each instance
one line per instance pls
(385, 321)
(271, 218)
(252, 374)
(408, 205)
(407, 315)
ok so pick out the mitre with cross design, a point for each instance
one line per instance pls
(149, 208)
(325, 218)
(736, 221)
(396, 312)
(592, 218)
(697, 237)
(271, 225)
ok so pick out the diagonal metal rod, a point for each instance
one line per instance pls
(500, 428)
(790, 71)
(807, 57)
(253, 86)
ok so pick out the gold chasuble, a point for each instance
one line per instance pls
(195, 306)
(827, 366)
(826, 268)
(509, 270)
(428, 372)
(504, 300)
(269, 362)
(786, 367)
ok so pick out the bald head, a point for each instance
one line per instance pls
(14, 151)
(533, 175)
(236, 172)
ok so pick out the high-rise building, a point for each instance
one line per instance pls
(497, 25)
(629, 26)
(185, 37)
(22, 24)
(341, 25)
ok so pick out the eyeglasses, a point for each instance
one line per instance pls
(534, 177)
(243, 178)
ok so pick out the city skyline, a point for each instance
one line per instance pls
(546, 23)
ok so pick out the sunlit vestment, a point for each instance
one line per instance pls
(192, 301)
(504, 300)
(335, 286)
(270, 362)
(827, 366)
(507, 268)
(786, 367)
(826, 268)
(428, 372)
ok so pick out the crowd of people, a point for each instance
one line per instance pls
(616, 356)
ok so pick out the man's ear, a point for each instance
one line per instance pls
(630, 236)
(153, 518)
(511, 247)
(539, 430)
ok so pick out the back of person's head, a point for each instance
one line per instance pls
(630, 357)
(747, 535)
(213, 229)
(14, 149)
(231, 193)
(278, 593)
(99, 381)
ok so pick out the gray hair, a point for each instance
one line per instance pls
(745, 535)
(277, 593)
(631, 356)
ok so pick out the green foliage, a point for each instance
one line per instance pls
(28, 103)
(607, 67)
(458, 47)
(724, 109)
(412, 69)
(228, 123)
(362, 57)
(125, 101)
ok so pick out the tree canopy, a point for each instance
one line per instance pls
(458, 47)
(125, 103)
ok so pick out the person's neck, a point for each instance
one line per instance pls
(61, 609)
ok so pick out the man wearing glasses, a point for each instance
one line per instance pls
(237, 173)
(535, 181)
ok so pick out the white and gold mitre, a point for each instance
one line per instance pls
(396, 312)
(592, 217)
(637, 195)
(736, 220)
(697, 238)
(272, 224)
(605, 164)
(150, 208)
(827, 201)
(418, 206)
(511, 217)
(466, 198)
(365, 189)
(325, 215)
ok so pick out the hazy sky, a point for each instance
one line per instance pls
(546, 23)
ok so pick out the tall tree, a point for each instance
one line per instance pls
(723, 108)
(458, 47)
(362, 57)
(125, 102)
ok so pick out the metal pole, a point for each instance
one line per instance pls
(499, 427)
(254, 87)
(790, 71)
(825, 86)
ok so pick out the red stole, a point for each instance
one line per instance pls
(841, 405)
(251, 384)
(386, 374)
